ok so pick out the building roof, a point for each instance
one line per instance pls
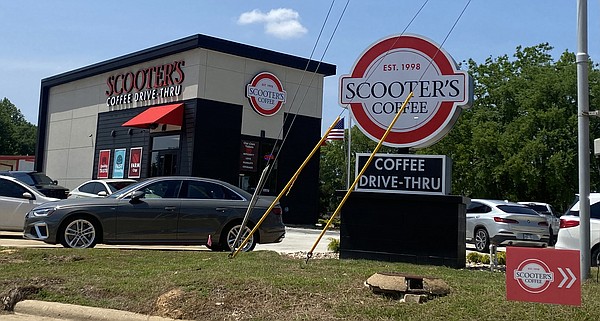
(189, 43)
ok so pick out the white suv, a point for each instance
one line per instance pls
(568, 236)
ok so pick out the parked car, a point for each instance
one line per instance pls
(504, 223)
(16, 199)
(569, 234)
(100, 187)
(551, 216)
(40, 181)
(175, 210)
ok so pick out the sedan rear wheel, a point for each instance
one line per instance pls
(79, 233)
(232, 233)
(482, 240)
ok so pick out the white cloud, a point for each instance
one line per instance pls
(282, 23)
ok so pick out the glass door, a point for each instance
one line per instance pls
(164, 163)
(165, 156)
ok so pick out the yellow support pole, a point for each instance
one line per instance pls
(362, 171)
(285, 190)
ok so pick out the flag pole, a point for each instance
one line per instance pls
(348, 159)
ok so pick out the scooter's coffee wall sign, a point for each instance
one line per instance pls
(266, 94)
(387, 72)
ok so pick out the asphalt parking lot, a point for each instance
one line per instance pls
(296, 239)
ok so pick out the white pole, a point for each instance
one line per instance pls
(584, 138)
(348, 157)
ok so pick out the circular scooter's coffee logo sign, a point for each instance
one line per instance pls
(387, 72)
(533, 276)
(266, 94)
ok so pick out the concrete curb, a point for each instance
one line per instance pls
(78, 312)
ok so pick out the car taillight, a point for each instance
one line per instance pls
(276, 210)
(543, 223)
(505, 220)
(568, 223)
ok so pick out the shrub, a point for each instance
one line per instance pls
(334, 223)
(334, 245)
(501, 258)
(474, 257)
(485, 259)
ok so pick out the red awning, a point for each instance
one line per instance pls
(168, 114)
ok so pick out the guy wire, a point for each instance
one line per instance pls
(281, 132)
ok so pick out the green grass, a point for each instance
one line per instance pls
(263, 285)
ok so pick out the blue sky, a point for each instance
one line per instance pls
(44, 38)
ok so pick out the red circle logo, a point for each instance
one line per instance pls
(387, 72)
(533, 276)
(266, 94)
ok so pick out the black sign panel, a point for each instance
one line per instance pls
(408, 174)
(248, 156)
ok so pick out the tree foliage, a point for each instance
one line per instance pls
(519, 139)
(18, 136)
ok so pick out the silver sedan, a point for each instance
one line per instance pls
(16, 199)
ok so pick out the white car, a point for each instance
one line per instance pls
(551, 216)
(568, 236)
(100, 187)
(504, 223)
(16, 199)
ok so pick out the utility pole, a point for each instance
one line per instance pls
(583, 123)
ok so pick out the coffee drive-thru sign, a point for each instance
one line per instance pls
(387, 72)
(409, 174)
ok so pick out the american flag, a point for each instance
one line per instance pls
(337, 132)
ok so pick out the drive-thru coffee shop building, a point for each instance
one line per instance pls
(197, 106)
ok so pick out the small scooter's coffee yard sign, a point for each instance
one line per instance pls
(387, 72)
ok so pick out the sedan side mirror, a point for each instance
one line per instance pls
(102, 194)
(135, 197)
(28, 196)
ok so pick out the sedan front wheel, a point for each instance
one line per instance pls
(79, 233)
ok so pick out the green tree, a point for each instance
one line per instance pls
(519, 139)
(18, 136)
(517, 142)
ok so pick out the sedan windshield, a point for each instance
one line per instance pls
(517, 209)
(115, 186)
(125, 190)
(538, 208)
(34, 178)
